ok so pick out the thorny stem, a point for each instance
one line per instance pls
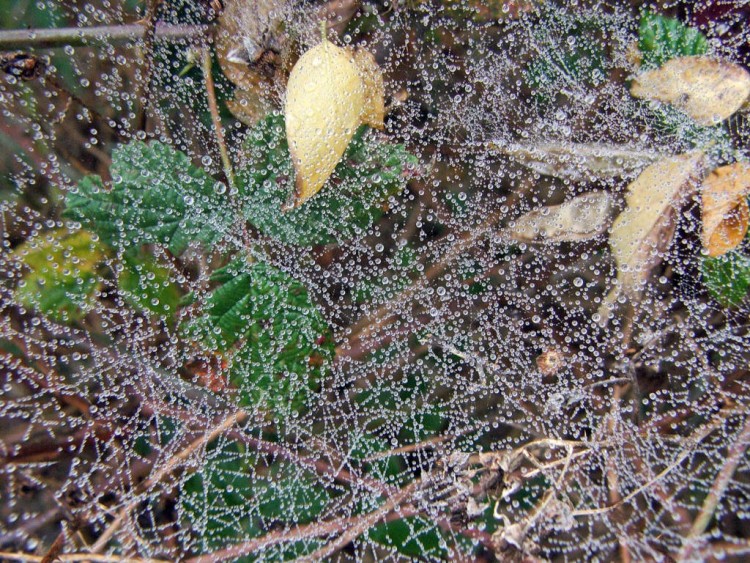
(234, 418)
(215, 118)
(98, 35)
(734, 456)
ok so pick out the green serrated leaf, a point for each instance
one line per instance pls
(727, 277)
(413, 536)
(157, 196)
(284, 337)
(60, 279)
(559, 62)
(348, 204)
(226, 502)
(661, 38)
(148, 285)
(215, 501)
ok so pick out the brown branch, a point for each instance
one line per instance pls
(215, 117)
(149, 38)
(351, 528)
(735, 454)
(234, 418)
(98, 35)
(93, 557)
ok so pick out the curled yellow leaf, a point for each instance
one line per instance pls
(373, 111)
(708, 90)
(324, 101)
(725, 210)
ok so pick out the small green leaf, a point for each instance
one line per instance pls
(414, 537)
(728, 277)
(351, 201)
(216, 502)
(661, 38)
(284, 338)
(148, 285)
(157, 196)
(226, 502)
(60, 279)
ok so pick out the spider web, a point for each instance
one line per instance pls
(420, 388)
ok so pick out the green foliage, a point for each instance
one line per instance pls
(353, 198)
(559, 63)
(226, 502)
(157, 196)
(284, 338)
(413, 536)
(661, 38)
(60, 277)
(148, 285)
(727, 277)
(215, 500)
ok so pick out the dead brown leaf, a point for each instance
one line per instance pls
(581, 218)
(579, 162)
(725, 210)
(708, 90)
(644, 230)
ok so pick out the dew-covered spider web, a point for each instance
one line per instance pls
(427, 360)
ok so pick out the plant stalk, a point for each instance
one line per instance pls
(52, 38)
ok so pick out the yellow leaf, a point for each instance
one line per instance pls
(373, 112)
(708, 90)
(330, 93)
(643, 231)
(725, 210)
(324, 100)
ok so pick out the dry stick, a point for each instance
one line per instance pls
(313, 530)
(234, 418)
(613, 479)
(695, 439)
(360, 527)
(735, 454)
(93, 557)
(215, 118)
(148, 56)
(53, 553)
(98, 35)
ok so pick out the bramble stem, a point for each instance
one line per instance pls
(213, 107)
(84, 36)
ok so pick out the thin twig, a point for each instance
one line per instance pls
(313, 530)
(98, 35)
(695, 439)
(234, 418)
(53, 553)
(216, 118)
(148, 55)
(93, 557)
(734, 455)
(360, 527)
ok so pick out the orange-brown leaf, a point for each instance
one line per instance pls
(725, 210)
